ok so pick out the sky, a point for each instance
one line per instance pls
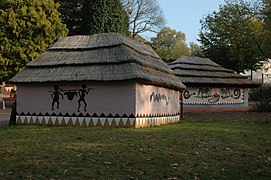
(185, 15)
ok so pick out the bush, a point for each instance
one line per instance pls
(262, 98)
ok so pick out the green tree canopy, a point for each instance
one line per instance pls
(27, 28)
(170, 44)
(96, 16)
(267, 26)
(233, 37)
(195, 49)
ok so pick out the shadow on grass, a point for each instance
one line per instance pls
(187, 150)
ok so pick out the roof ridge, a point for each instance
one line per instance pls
(196, 64)
(96, 41)
(131, 56)
(221, 69)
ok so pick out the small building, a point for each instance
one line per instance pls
(211, 87)
(102, 80)
(262, 75)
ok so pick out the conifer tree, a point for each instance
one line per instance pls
(27, 28)
(86, 17)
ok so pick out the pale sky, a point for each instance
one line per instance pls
(185, 15)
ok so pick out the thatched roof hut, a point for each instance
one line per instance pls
(99, 80)
(210, 87)
(101, 57)
(197, 71)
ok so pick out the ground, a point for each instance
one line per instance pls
(216, 147)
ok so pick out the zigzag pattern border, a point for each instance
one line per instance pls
(140, 121)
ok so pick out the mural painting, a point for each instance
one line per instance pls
(206, 95)
(55, 97)
(158, 97)
(99, 106)
(70, 93)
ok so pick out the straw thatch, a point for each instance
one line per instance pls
(101, 57)
(197, 71)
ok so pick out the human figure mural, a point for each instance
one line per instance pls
(55, 97)
(81, 93)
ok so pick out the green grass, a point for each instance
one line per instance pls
(188, 150)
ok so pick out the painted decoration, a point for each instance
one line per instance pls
(207, 95)
(81, 93)
(158, 97)
(156, 100)
(94, 120)
(121, 104)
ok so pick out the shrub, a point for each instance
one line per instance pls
(262, 98)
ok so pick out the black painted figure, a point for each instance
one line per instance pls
(82, 93)
(55, 97)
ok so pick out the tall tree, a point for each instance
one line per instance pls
(170, 44)
(96, 16)
(145, 16)
(195, 49)
(234, 36)
(267, 26)
(27, 28)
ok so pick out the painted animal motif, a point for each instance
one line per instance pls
(204, 92)
(159, 97)
(225, 93)
(214, 98)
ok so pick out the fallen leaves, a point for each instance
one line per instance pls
(174, 165)
(108, 162)
(228, 149)
(140, 172)
(65, 171)
(195, 175)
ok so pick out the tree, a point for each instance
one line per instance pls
(233, 37)
(144, 15)
(195, 49)
(267, 26)
(86, 17)
(141, 39)
(170, 44)
(71, 15)
(27, 28)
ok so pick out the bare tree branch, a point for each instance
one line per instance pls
(145, 16)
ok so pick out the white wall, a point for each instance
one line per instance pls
(211, 95)
(262, 75)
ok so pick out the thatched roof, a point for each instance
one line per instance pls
(197, 71)
(101, 57)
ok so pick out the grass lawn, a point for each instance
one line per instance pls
(187, 150)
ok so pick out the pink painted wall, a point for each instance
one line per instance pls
(104, 98)
(115, 98)
(168, 103)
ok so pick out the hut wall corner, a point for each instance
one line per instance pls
(156, 106)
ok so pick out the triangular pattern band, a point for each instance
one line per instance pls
(97, 121)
